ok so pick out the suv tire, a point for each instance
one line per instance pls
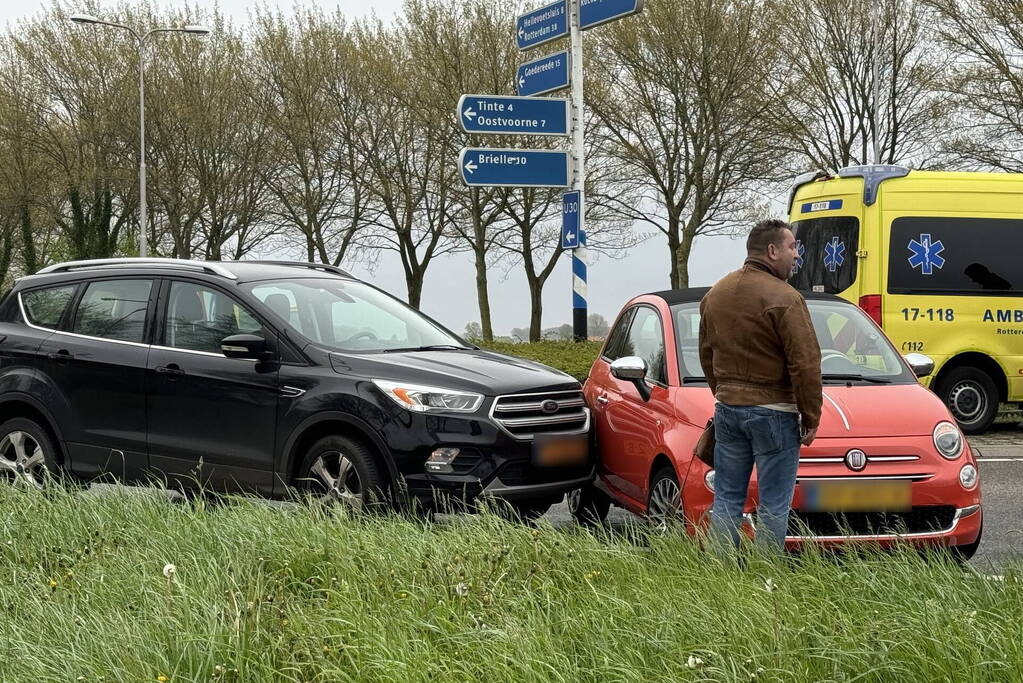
(28, 453)
(971, 397)
(339, 470)
(588, 505)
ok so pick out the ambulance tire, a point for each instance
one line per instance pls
(972, 398)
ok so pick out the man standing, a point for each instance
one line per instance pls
(762, 360)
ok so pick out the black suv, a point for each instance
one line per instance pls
(265, 377)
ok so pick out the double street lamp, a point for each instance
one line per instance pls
(140, 42)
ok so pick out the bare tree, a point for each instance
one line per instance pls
(985, 80)
(826, 93)
(682, 96)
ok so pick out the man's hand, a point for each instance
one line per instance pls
(808, 437)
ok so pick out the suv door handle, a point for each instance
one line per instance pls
(602, 400)
(61, 356)
(172, 370)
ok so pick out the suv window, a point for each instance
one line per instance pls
(199, 318)
(114, 309)
(646, 340)
(615, 339)
(45, 307)
(956, 256)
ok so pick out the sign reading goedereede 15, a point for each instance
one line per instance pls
(513, 115)
(515, 167)
(545, 75)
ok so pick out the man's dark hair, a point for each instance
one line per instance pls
(765, 233)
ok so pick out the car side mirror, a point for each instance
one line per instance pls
(632, 369)
(246, 346)
(922, 365)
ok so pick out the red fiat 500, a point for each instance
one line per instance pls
(889, 463)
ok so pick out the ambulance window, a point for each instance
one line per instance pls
(980, 256)
(827, 254)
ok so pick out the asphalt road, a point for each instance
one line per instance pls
(1000, 453)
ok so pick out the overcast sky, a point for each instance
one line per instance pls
(450, 291)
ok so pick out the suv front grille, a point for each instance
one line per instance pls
(918, 520)
(523, 416)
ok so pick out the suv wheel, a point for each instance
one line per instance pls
(27, 453)
(971, 397)
(589, 505)
(338, 470)
(664, 507)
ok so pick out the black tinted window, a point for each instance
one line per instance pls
(613, 347)
(646, 340)
(956, 256)
(827, 254)
(114, 309)
(45, 307)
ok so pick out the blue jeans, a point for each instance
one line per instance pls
(770, 438)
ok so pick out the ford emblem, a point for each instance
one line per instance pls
(549, 406)
(856, 460)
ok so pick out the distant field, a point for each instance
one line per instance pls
(294, 593)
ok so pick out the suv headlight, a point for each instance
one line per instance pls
(948, 440)
(422, 399)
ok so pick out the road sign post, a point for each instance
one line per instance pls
(579, 256)
(513, 115)
(545, 75)
(487, 167)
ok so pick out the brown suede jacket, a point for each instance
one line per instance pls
(757, 344)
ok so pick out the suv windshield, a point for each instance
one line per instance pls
(346, 315)
(852, 348)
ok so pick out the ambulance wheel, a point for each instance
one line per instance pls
(971, 397)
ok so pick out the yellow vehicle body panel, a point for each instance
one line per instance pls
(951, 323)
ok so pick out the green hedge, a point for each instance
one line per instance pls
(575, 358)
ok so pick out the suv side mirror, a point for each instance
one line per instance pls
(247, 346)
(922, 365)
(632, 369)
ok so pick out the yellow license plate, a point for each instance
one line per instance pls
(856, 496)
(561, 451)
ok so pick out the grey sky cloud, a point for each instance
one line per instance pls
(450, 290)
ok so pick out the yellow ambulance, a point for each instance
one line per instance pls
(936, 259)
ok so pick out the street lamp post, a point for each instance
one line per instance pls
(140, 42)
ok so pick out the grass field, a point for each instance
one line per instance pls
(299, 593)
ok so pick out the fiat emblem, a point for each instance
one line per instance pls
(856, 460)
(549, 406)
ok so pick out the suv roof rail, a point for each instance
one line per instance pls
(129, 262)
(307, 264)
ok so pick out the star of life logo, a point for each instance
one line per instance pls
(834, 254)
(800, 252)
(926, 254)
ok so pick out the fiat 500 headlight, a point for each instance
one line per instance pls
(948, 440)
(422, 399)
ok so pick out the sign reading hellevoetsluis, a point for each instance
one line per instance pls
(513, 115)
(543, 25)
(545, 75)
(515, 167)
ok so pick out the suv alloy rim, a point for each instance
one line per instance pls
(337, 479)
(21, 459)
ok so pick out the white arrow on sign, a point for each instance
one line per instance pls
(522, 33)
(522, 82)
(471, 167)
(469, 114)
(570, 237)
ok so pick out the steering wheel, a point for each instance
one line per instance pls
(364, 334)
(831, 353)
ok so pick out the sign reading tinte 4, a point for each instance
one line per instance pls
(513, 115)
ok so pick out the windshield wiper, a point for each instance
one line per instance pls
(434, 347)
(693, 380)
(855, 378)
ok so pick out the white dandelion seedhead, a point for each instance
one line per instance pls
(169, 570)
(694, 662)
(770, 586)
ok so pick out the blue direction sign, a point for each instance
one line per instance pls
(571, 203)
(513, 115)
(544, 75)
(596, 12)
(514, 167)
(542, 25)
